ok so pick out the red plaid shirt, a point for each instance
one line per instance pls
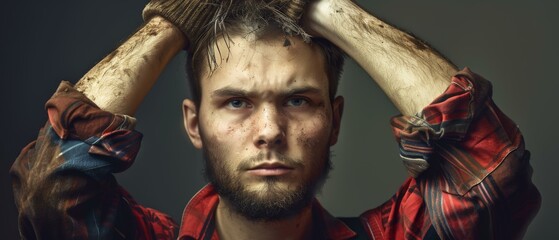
(471, 177)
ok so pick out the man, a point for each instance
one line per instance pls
(265, 114)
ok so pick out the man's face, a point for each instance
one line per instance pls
(265, 124)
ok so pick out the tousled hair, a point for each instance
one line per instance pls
(255, 17)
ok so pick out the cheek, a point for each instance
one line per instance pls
(313, 132)
(219, 126)
(226, 133)
(221, 141)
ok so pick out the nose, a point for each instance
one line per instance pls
(270, 128)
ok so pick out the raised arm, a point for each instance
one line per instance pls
(63, 187)
(410, 72)
(63, 183)
(120, 81)
(470, 174)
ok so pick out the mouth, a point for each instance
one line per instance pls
(270, 169)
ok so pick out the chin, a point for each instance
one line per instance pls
(272, 186)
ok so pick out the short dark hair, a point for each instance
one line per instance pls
(255, 17)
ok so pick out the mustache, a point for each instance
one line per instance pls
(262, 157)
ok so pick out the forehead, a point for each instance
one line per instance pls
(270, 61)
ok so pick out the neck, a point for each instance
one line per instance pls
(231, 225)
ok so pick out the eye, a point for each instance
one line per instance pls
(297, 102)
(238, 103)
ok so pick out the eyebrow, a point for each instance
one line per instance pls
(237, 92)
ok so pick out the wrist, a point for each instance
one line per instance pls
(316, 18)
(342, 22)
(189, 16)
(167, 32)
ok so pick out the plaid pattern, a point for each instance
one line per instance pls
(471, 177)
(63, 186)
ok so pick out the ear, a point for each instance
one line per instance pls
(337, 111)
(191, 122)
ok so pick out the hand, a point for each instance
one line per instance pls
(190, 16)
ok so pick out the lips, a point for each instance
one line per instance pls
(270, 169)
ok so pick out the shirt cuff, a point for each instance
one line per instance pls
(73, 116)
(447, 119)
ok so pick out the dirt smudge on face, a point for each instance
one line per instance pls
(286, 43)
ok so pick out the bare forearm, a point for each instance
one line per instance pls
(120, 81)
(410, 72)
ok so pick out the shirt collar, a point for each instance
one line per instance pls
(198, 218)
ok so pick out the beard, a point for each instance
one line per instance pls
(270, 203)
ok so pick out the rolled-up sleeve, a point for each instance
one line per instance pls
(471, 177)
(63, 183)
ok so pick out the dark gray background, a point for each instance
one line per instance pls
(513, 44)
